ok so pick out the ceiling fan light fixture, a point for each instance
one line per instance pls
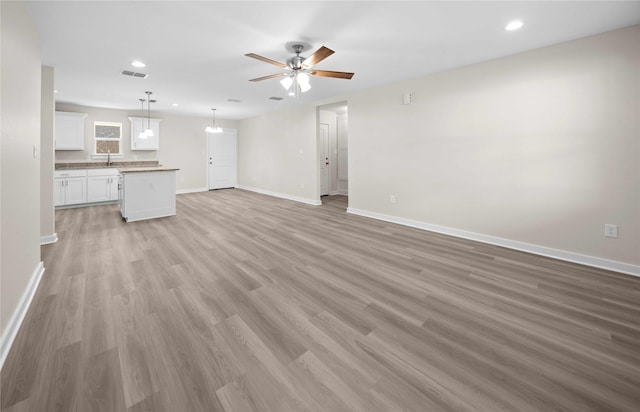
(303, 82)
(286, 82)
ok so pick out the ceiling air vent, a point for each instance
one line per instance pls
(234, 100)
(275, 98)
(134, 74)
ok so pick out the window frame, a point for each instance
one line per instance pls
(97, 139)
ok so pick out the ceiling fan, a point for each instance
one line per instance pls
(300, 69)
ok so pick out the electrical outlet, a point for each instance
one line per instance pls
(392, 199)
(611, 231)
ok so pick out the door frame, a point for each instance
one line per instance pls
(206, 156)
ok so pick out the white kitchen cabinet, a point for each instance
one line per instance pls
(147, 194)
(102, 185)
(69, 131)
(140, 124)
(70, 187)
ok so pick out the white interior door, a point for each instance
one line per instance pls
(222, 159)
(324, 159)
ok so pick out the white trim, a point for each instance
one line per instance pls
(19, 313)
(194, 190)
(45, 240)
(281, 195)
(592, 261)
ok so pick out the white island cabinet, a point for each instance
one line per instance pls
(147, 192)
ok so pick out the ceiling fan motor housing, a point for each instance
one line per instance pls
(295, 63)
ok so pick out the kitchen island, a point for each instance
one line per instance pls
(147, 192)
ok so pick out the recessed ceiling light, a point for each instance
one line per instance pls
(175, 105)
(55, 91)
(514, 25)
(138, 63)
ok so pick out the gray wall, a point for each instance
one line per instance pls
(47, 125)
(20, 168)
(540, 148)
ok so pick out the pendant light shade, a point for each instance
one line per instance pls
(214, 128)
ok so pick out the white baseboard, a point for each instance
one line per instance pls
(596, 262)
(193, 190)
(12, 328)
(45, 240)
(282, 195)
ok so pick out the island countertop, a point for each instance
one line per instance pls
(147, 169)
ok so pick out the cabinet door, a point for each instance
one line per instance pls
(98, 189)
(139, 124)
(58, 192)
(69, 131)
(113, 188)
(76, 188)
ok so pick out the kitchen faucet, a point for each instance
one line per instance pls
(108, 158)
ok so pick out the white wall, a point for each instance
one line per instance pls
(183, 142)
(20, 169)
(537, 149)
(541, 147)
(47, 125)
(277, 154)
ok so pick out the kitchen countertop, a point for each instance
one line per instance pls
(147, 169)
(100, 164)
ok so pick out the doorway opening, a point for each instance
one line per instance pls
(333, 153)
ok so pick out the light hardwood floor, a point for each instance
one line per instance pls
(244, 302)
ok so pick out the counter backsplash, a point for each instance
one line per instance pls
(89, 164)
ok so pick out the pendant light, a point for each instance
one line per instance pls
(149, 132)
(214, 128)
(142, 134)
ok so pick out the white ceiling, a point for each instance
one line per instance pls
(194, 51)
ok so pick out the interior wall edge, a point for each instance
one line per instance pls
(12, 328)
(592, 261)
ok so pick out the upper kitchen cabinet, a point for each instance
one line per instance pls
(69, 133)
(140, 124)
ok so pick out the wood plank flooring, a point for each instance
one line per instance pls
(244, 302)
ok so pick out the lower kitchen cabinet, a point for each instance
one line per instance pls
(85, 186)
(70, 187)
(102, 185)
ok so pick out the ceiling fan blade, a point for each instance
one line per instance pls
(266, 60)
(271, 76)
(319, 55)
(328, 73)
